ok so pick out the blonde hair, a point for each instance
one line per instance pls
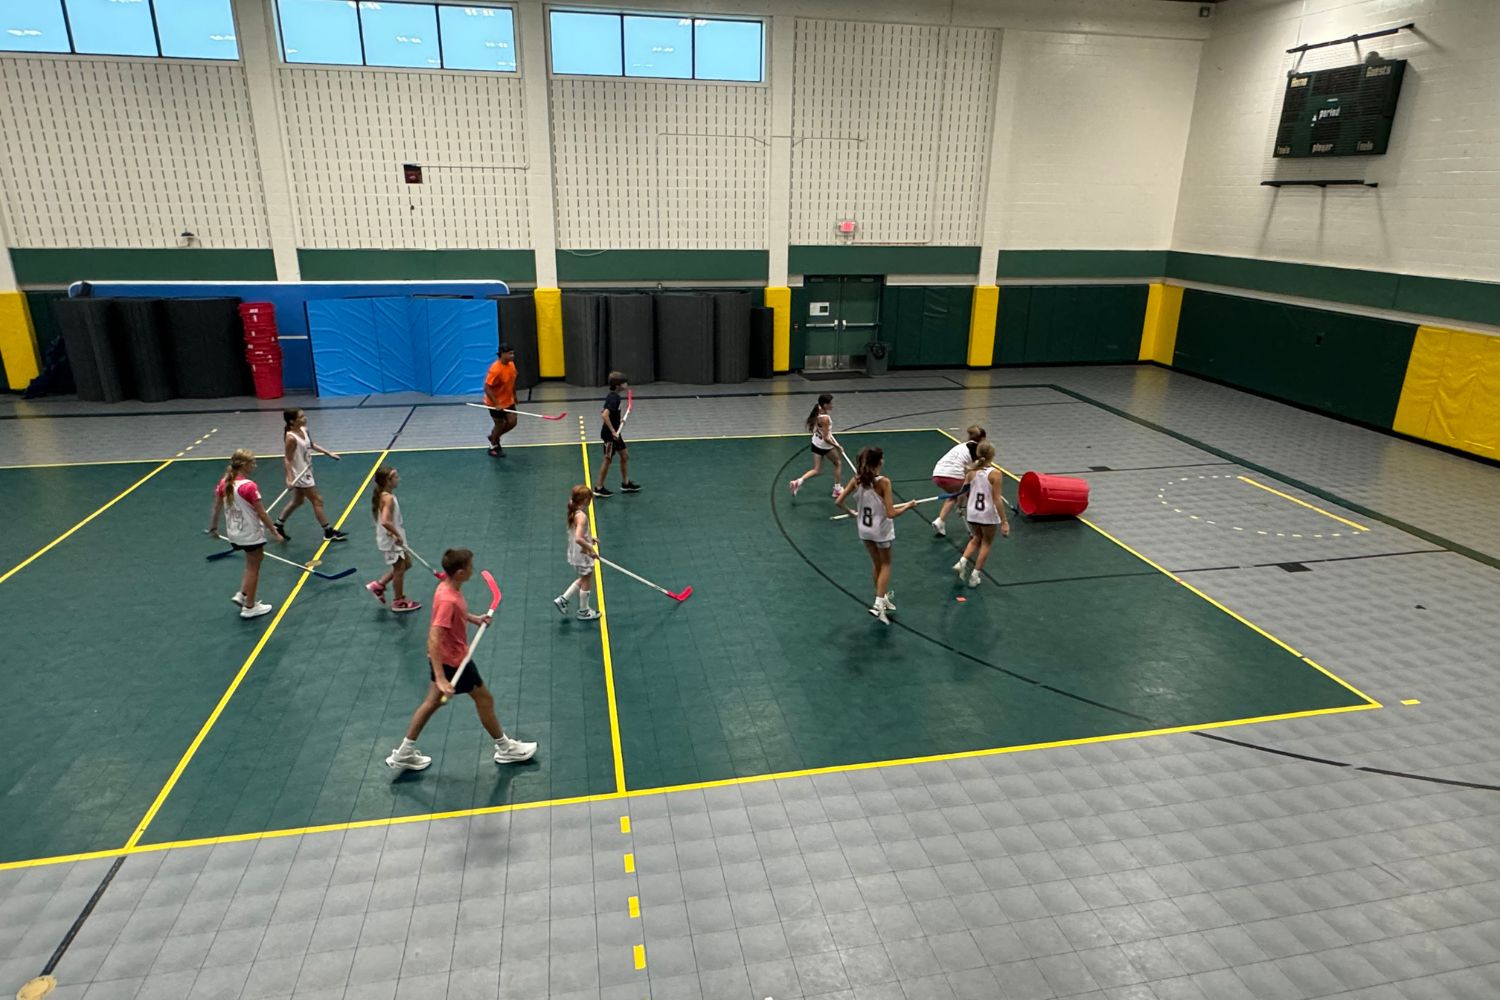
(241, 460)
(983, 456)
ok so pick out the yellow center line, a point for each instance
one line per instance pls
(66, 534)
(1301, 503)
(192, 750)
(609, 665)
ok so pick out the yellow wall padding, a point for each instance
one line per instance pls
(779, 299)
(1451, 394)
(1159, 331)
(549, 334)
(17, 340)
(983, 313)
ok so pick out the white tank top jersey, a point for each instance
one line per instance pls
(242, 525)
(384, 540)
(982, 499)
(955, 462)
(818, 440)
(301, 461)
(577, 558)
(869, 509)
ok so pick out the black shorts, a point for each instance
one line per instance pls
(501, 413)
(468, 682)
(819, 451)
(247, 548)
(613, 444)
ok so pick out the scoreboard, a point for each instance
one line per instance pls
(1344, 111)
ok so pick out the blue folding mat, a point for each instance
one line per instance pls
(438, 346)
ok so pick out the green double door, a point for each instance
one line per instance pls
(838, 316)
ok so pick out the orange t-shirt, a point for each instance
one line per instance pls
(500, 386)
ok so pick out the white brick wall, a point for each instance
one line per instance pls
(1098, 128)
(1437, 210)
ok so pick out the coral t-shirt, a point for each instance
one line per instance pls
(500, 386)
(450, 612)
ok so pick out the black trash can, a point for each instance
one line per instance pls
(877, 358)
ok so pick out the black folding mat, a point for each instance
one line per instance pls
(207, 348)
(89, 330)
(762, 342)
(685, 337)
(585, 325)
(518, 329)
(731, 336)
(632, 336)
(143, 331)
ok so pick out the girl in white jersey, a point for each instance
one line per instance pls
(823, 442)
(298, 447)
(581, 552)
(390, 539)
(246, 525)
(986, 512)
(875, 514)
(948, 474)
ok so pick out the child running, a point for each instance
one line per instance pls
(610, 430)
(297, 460)
(948, 474)
(390, 539)
(820, 423)
(876, 516)
(246, 525)
(581, 554)
(500, 397)
(986, 510)
(447, 645)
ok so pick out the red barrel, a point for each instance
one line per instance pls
(1042, 495)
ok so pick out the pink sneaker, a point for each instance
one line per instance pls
(795, 485)
(838, 491)
(405, 605)
(376, 588)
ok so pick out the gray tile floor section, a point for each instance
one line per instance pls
(1167, 868)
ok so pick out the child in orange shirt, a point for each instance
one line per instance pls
(500, 396)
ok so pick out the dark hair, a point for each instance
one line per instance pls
(382, 485)
(869, 460)
(504, 349)
(976, 433)
(289, 416)
(823, 400)
(456, 559)
(616, 379)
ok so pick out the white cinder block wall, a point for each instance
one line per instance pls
(1437, 210)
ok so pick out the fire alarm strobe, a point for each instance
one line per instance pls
(413, 172)
(846, 227)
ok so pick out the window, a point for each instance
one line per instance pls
(184, 29)
(403, 34)
(660, 47)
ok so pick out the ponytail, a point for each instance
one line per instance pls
(238, 462)
(983, 456)
(289, 417)
(869, 462)
(578, 499)
(382, 486)
(812, 418)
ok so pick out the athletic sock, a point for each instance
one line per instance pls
(406, 744)
(567, 595)
(584, 597)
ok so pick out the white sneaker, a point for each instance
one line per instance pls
(974, 578)
(509, 751)
(561, 604)
(939, 527)
(878, 609)
(238, 599)
(410, 759)
(890, 600)
(254, 610)
(795, 486)
(587, 614)
(838, 491)
(961, 568)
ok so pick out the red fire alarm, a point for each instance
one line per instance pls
(413, 172)
(846, 227)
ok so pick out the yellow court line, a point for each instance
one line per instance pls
(1301, 503)
(633, 907)
(609, 663)
(640, 956)
(64, 536)
(234, 685)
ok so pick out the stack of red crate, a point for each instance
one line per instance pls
(262, 348)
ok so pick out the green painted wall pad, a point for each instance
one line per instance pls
(773, 665)
(43, 319)
(1349, 366)
(926, 324)
(63, 267)
(1082, 264)
(1069, 324)
(663, 265)
(855, 259)
(416, 265)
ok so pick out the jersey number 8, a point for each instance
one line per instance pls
(868, 517)
(979, 501)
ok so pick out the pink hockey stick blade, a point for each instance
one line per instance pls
(679, 598)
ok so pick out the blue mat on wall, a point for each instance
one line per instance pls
(438, 346)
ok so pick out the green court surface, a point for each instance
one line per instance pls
(122, 641)
(42, 503)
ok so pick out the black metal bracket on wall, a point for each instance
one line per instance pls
(1321, 184)
(1354, 38)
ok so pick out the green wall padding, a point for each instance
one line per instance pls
(64, 266)
(1069, 324)
(1348, 366)
(361, 264)
(43, 320)
(926, 324)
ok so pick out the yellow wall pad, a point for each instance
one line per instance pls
(609, 666)
(18, 341)
(187, 757)
(1301, 503)
(983, 314)
(779, 299)
(63, 537)
(1233, 614)
(549, 336)
(1451, 394)
(1159, 331)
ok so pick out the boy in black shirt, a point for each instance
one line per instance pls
(614, 444)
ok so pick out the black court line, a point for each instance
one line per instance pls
(1330, 762)
(78, 922)
(394, 436)
(1330, 559)
(1139, 468)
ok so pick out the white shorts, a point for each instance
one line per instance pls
(392, 555)
(582, 565)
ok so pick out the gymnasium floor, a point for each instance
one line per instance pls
(1111, 784)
